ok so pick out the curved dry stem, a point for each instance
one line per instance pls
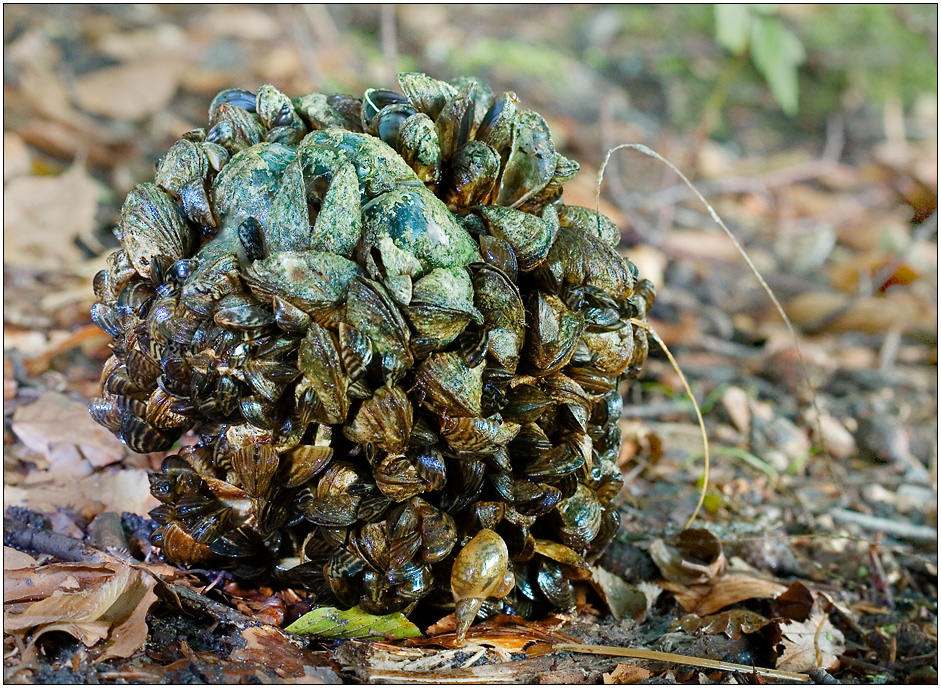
(751, 266)
(702, 426)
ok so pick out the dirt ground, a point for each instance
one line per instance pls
(815, 551)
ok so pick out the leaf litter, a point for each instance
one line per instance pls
(848, 246)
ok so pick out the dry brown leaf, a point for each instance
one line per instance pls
(42, 216)
(503, 632)
(811, 644)
(625, 672)
(690, 557)
(731, 588)
(838, 441)
(62, 430)
(145, 43)
(28, 584)
(44, 88)
(624, 600)
(270, 646)
(651, 262)
(16, 157)
(133, 91)
(445, 624)
(700, 245)
(15, 559)
(88, 632)
(91, 602)
(122, 490)
(733, 623)
(796, 603)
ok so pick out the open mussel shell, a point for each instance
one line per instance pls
(399, 353)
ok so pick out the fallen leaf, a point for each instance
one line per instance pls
(696, 244)
(735, 403)
(148, 42)
(330, 622)
(270, 646)
(796, 603)
(503, 632)
(731, 588)
(28, 584)
(242, 22)
(122, 490)
(832, 312)
(625, 672)
(838, 441)
(133, 91)
(624, 600)
(15, 559)
(692, 556)
(733, 623)
(446, 624)
(811, 644)
(44, 88)
(43, 215)
(59, 427)
(91, 602)
(16, 157)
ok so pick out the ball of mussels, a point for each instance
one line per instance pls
(399, 350)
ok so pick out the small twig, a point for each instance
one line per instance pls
(901, 529)
(199, 602)
(25, 537)
(758, 183)
(680, 659)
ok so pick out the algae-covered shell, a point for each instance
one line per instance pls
(530, 236)
(442, 305)
(419, 223)
(315, 281)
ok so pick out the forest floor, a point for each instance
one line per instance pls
(814, 553)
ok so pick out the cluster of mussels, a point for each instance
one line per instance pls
(399, 350)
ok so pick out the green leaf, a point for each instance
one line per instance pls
(776, 53)
(733, 23)
(330, 622)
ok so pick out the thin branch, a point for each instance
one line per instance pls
(759, 183)
(681, 659)
(900, 529)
